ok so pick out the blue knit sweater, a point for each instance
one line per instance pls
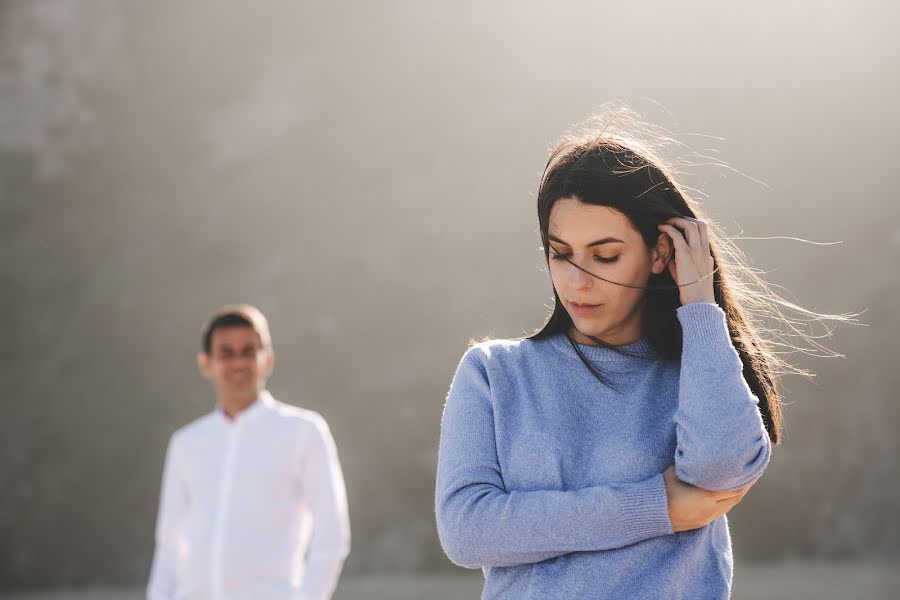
(552, 481)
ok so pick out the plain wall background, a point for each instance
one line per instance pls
(365, 174)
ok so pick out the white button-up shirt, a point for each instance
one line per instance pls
(251, 508)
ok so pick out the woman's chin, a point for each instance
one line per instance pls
(584, 333)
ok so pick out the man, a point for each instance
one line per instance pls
(253, 503)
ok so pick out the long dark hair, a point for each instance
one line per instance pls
(601, 164)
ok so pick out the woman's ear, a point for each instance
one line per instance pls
(661, 254)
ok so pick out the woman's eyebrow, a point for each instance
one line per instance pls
(606, 240)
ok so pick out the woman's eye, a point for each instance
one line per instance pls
(600, 259)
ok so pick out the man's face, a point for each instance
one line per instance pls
(237, 363)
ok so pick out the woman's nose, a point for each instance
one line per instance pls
(578, 279)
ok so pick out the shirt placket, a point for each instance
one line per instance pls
(232, 442)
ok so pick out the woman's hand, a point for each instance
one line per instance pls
(693, 265)
(691, 507)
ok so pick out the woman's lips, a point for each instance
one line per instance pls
(580, 308)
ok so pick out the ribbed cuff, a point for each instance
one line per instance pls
(703, 324)
(646, 509)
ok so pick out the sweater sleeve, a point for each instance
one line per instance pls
(722, 443)
(481, 524)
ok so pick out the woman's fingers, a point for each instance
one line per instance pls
(691, 507)
(693, 260)
(704, 235)
(678, 240)
(724, 506)
(690, 229)
(680, 246)
(732, 493)
(737, 497)
(696, 232)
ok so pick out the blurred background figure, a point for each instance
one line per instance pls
(252, 503)
(362, 172)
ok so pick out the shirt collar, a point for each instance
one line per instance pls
(263, 403)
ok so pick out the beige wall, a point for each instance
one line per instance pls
(365, 173)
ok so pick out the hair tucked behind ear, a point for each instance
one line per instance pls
(612, 161)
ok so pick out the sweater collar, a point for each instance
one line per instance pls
(640, 349)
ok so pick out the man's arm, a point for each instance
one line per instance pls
(322, 485)
(173, 506)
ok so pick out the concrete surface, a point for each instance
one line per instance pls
(794, 581)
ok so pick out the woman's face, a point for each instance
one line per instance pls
(603, 241)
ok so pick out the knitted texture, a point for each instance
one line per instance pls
(551, 481)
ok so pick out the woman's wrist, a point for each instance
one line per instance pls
(699, 300)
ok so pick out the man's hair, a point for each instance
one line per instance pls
(237, 315)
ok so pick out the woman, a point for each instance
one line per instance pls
(597, 458)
